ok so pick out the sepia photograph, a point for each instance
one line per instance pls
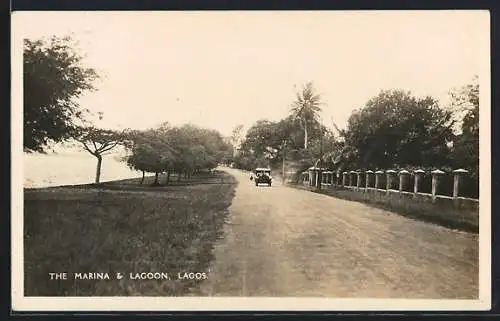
(238, 160)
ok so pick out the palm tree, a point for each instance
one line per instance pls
(306, 108)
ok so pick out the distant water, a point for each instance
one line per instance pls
(60, 169)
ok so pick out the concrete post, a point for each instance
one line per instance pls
(378, 174)
(358, 180)
(368, 175)
(403, 176)
(389, 173)
(344, 178)
(418, 173)
(435, 181)
(457, 174)
(350, 178)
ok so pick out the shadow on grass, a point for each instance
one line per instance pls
(429, 215)
(91, 232)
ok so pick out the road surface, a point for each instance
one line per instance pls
(281, 241)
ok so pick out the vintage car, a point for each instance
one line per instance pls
(262, 176)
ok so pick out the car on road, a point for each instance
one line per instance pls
(262, 176)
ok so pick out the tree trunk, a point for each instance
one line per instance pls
(179, 176)
(156, 182)
(142, 179)
(98, 170)
(168, 177)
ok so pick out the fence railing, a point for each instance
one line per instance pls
(402, 181)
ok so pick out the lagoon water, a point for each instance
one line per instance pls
(68, 169)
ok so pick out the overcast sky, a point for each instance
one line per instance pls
(221, 69)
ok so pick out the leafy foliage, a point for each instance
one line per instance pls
(236, 137)
(267, 142)
(466, 145)
(305, 109)
(398, 128)
(98, 142)
(186, 149)
(53, 80)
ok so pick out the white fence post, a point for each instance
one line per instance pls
(368, 175)
(403, 175)
(351, 173)
(417, 174)
(388, 182)
(377, 178)
(456, 180)
(435, 182)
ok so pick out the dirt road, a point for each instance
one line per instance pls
(280, 241)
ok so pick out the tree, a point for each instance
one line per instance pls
(207, 147)
(305, 108)
(398, 129)
(98, 142)
(138, 161)
(466, 145)
(185, 150)
(152, 152)
(262, 138)
(236, 138)
(53, 80)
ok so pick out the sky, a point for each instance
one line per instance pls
(221, 69)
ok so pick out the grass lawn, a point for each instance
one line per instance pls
(124, 227)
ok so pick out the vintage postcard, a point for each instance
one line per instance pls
(232, 160)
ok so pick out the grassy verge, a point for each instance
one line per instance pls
(124, 227)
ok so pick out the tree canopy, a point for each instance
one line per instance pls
(98, 142)
(466, 144)
(398, 129)
(305, 109)
(185, 149)
(53, 80)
